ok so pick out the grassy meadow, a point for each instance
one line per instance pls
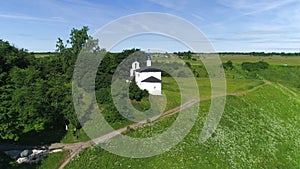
(240, 58)
(273, 60)
(259, 129)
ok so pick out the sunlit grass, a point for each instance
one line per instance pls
(258, 130)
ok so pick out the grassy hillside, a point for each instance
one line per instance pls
(233, 85)
(259, 130)
(288, 76)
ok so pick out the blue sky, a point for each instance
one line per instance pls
(230, 25)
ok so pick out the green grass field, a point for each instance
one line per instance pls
(259, 130)
(53, 161)
(273, 60)
(233, 86)
(239, 59)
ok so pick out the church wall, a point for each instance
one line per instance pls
(153, 88)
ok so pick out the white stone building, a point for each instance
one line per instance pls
(148, 78)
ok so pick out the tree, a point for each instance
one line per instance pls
(78, 38)
(228, 65)
(135, 93)
(36, 93)
(15, 73)
(67, 56)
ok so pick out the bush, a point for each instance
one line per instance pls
(135, 93)
(228, 65)
(249, 66)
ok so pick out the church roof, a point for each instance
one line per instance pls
(148, 69)
(152, 80)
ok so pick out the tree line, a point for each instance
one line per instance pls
(36, 93)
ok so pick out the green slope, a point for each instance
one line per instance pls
(259, 130)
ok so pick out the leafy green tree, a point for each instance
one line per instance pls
(14, 74)
(135, 93)
(78, 39)
(36, 92)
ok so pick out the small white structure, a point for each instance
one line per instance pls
(148, 61)
(147, 77)
(135, 66)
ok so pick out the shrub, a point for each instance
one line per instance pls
(250, 66)
(135, 93)
(228, 65)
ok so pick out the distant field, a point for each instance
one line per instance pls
(41, 55)
(273, 60)
(236, 59)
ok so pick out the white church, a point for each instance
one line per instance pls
(148, 78)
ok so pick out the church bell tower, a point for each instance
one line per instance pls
(148, 61)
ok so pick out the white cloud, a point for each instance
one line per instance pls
(198, 17)
(171, 4)
(249, 7)
(259, 32)
(31, 18)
